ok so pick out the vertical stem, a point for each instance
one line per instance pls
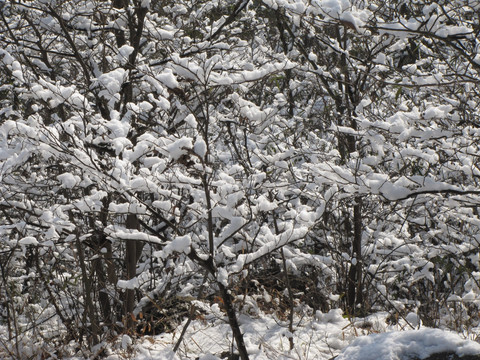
(8, 303)
(287, 281)
(103, 297)
(90, 310)
(191, 314)
(233, 321)
(211, 245)
(354, 278)
(224, 293)
(357, 245)
(290, 300)
(131, 267)
(345, 107)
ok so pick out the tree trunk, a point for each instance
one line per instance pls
(89, 305)
(233, 321)
(131, 267)
(354, 278)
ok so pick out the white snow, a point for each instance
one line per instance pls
(124, 52)
(51, 233)
(29, 240)
(348, 17)
(320, 337)
(334, 8)
(413, 319)
(263, 204)
(333, 316)
(408, 344)
(190, 120)
(179, 147)
(163, 205)
(243, 76)
(120, 233)
(168, 79)
(236, 223)
(180, 244)
(7, 58)
(68, 180)
(112, 81)
(222, 276)
(128, 284)
(126, 341)
(200, 147)
(134, 208)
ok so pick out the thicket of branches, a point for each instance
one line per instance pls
(157, 153)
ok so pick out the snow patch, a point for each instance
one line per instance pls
(200, 148)
(180, 244)
(128, 284)
(29, 240)
(168, 79)
(68, 180)
(179, 147)
(408, 345)
(124, 53)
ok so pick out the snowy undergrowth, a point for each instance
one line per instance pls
(316, 336)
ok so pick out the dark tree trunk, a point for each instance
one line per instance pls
(354, 278)
(233, 321)
(131, 268)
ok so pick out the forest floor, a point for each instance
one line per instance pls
(316, 335)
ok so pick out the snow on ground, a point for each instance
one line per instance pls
(409, 344)
(321, 337)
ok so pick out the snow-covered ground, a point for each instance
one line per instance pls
(321, 336)
(410, 344)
